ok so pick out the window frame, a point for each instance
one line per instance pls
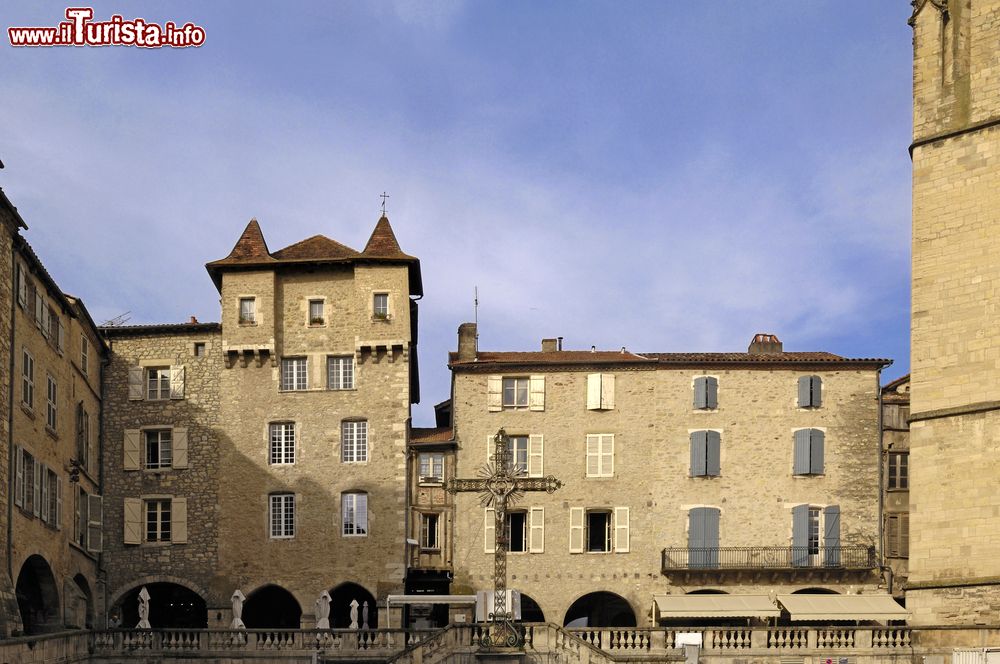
(281, 515)
(281, 447)
(299, 380)
(249, 316)
(430, 537)
(162, 513)
(609, 542)
(515, 382)
(85, 355)
(897, 474)
(381, 312)
(349, 505)
(161, 376)
(525, 530)
(165, 461)
(600, 454)
(200, 349)
(51, 402)
(27, 379)
(434, 459)
(359, 451)
(345, 374)
(313, 320)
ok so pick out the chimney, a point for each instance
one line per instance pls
(550, 345)
(467, 333)
(194, 321)
(763, 344)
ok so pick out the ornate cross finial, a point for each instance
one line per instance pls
(384, 196)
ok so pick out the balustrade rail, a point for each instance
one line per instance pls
(768, 557)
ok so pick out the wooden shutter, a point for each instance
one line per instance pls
(179, 439)
(489, 531)
(607, 391)
(177, 382)
(713, 445)
(536, 459)
(816, 445)
(179, 521)
(904, 535)
(800, 464)
(133, 521)
(59, 503)
(60, 336)
(712, 392)
(95, 522)
(536, 530)
(490, 449)
(621, 530)
(805, 391)
(701, 392)
(831, 535)
(44, 492)
(593, 455)
(536, 393)
(608, 454)
(132, 447)
(800, 535)
(39, 310)
(135, 386)
(494, 393)
(593, 391)
(816, 391)
(892, 535)
(22, 287)
(18, 477)
(698, 454)
(36, 488)
(576, 530)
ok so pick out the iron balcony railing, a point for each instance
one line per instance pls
(857, 557)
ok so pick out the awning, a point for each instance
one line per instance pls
(431, 599)
(715, 606)
(842, 607)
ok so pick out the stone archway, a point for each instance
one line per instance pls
(600, 609)
(78, 601)
(530, 611)
(38, 597)
(271, 607)
(171, 605)
(340, 606)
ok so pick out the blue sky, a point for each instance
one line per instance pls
(665, 176)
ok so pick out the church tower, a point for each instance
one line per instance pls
(954, 575)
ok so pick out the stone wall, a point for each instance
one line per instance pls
(10, 619)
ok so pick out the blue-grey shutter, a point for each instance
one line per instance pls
(800, 536)
(703, 537)
(805, 389)
(712, 444)
(698, 453)
(831, 535)
(711, 537)
(800, 465)
(712, 392)
(816, 389)
(816, 440)
(701, 392)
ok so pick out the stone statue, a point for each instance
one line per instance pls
(323, 611)
(238, 599)
(364, 615)
(143, 609)
(354, 614)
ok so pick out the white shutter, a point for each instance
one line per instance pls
(593, 455)
(494, 393)
(132, 446)
(95, 522)
(594, 392)
(179, 439)
(59, 503)
(44, 492)
(133, 521)
(177, 382)
(135, 386)
(608, 454)
(62, 335)
(489, 531)
(576, 530)
(36, 488)
(536, 460)
(22, 286)
(179, 521)
(490, 449)
(536, 530)
(621, 530)
(18, 477)
(39, 308)
(607, 391)
(536, 393)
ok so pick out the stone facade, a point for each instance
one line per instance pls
(645, 484)
(896, 480)
(954, 570)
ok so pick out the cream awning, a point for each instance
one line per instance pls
(715, 606)
(842, 607)
(431, 599)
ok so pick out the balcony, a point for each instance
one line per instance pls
(776, 559)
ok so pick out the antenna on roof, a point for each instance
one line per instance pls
(117, 321)
(476, 314)
(384, 196)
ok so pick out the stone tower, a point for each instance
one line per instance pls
(955, 362)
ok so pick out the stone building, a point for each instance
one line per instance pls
(954, 566)
(267, 453)
(741, 473)
(52, 493)
(896, 481)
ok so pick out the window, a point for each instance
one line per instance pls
(316, 312)
(52, 505)
(158, 520)
(899, 477)
(159, 449)
(158, 383)
(27, 379)
(598, 531)
(248, 311)
(54, 328)
(293, 373)
(31, 292)
(809, 445)
(600, 455)
(31, 483)
(282, 443)
(898, 535)
(517, 531)
(705, 452)
(431, 467)
(380, 305)
(515, 392)
(600, 391)
(815, 536)
(199, 349)
(428, 531)
(810, 391)
(703, 537)
(706, 393)
(340, 373)
(22, 286)
(354, 442)
(525, 530)
(354, 507)
(82, 436)
(282, 515)
(50, 403)
(517, 454)
(85, 355)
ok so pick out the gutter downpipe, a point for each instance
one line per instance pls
(10, 415)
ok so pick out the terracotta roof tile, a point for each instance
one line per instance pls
(431, 435)
(250, 248)
(383, 244)
(318, 247)
(583, 357)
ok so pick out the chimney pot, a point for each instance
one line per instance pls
(549, 345)
(467, 333)
(194, 320)
(763, 344)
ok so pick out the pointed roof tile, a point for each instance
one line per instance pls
(250, 248)
(317, 247)
(383, 244)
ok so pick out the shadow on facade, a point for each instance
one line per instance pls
(272, 607)
(171, 605)
(38, 597)
(600, 609)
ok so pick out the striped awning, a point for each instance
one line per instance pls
(715, 606)
(842, 607)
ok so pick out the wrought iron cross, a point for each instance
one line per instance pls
(383, 197)
(501, 484)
